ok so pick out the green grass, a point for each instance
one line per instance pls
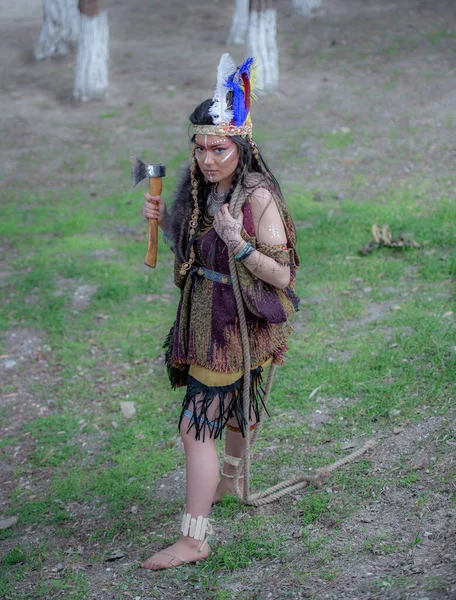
(394, 367)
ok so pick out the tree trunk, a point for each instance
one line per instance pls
(240, 23)
(304, 7)
(60, 28)
(262, 44)
(91, 74)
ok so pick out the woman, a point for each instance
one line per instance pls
(204, 350)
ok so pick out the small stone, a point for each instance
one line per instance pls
(398, 430)
(8, 522)
(9, 364)
(345, 130)
(134, 509)
(59, 567)
(128, 409)
(318, 197)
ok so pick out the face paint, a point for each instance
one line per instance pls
(275, 231)
(217, 159)
(217, 142)
(228, 155)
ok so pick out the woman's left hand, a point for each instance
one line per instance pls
(228, 228)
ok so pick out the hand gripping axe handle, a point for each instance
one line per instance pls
(140, 171)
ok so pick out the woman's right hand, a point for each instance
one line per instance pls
(154, 208)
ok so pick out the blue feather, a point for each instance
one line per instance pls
(246, 66)
(240, 112)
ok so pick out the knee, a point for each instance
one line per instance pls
(188, 435)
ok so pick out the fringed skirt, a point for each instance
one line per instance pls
(213, 398)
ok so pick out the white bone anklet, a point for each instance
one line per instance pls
(199, 529)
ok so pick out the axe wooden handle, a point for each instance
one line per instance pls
(155, 189)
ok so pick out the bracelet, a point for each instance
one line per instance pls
(245, 252)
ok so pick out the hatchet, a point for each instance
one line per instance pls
(140, 171)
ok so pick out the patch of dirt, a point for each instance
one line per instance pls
(375, 312)
(82, 296)
(399, 545)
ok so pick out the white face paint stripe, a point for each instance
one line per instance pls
(228, 155)
(207, 153)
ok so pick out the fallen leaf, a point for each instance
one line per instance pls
(312, 394)
(116, 555)
(448, 314)
(48, 455)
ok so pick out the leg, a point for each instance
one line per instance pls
(202, 468)
(234, 446)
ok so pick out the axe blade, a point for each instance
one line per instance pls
(140, 170)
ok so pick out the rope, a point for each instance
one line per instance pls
(285, 487)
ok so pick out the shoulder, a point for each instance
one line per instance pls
(261, 199)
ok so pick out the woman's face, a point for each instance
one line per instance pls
(217, 158)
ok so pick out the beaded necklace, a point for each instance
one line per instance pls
(215, 200)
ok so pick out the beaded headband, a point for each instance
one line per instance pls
(224, 129)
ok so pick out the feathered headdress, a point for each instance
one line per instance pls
(230, 110)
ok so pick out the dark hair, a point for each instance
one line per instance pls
(183, 202)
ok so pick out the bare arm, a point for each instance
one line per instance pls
(269, 230)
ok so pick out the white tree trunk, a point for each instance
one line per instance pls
(262, 44)
(240, 23)
(60, 28)
(91, 75)
(304, 7)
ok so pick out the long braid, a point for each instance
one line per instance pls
(236, 179)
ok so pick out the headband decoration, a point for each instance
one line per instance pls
(230, 110)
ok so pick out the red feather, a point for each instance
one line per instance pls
(246, 82)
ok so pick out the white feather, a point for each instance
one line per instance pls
(219, 110)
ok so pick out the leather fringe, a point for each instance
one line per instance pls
(199, 398)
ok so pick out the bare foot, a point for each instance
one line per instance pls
(185, 550)
(225, 486)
